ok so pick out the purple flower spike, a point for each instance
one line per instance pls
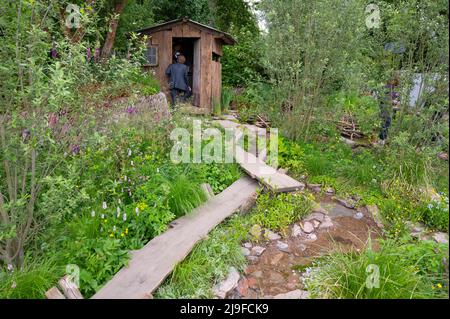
(131, 110)
(75, 149)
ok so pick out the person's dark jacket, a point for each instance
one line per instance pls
(178, 74)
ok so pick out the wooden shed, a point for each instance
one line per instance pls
(202, 47)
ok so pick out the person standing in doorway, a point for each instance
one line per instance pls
(178, 79)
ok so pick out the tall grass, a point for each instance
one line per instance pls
(226, 98)
(184, 195)
(401, 274)
(30, 282)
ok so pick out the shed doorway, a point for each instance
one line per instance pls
(190, 48)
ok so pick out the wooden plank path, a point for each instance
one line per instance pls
(256, 167)
(150, 265)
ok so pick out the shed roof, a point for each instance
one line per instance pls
(227, 38)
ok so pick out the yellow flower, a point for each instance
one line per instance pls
(126, 231)
(111, 235)
(121, 235)
(439, 286)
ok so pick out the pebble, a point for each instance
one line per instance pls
(358, 215)
(344, 203)
(271, 235)
(283, 246)
(248, 245)
(296, 231)
(316, 223)
(223, 288)
(308, 227)
(311, 237)
(245, 251)
(319, 216)
(258, 250)
(441, 238)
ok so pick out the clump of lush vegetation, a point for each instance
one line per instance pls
(395, 271)
(278, 212)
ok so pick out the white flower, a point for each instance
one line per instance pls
(125, 178)
(124, 217)
(114, 228)
(104, 205)
(93, 213)
(129, 152)
(137, 210)
(10, 267)
(119, 201)
(430, 206)
(157, 169)
(103, 216)
(132, 163)
(118, 212)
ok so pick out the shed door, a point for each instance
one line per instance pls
(216, 82)
(196, 83)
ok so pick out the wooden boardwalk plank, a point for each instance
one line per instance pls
(269, 176)
(149, 266)
(256, 167)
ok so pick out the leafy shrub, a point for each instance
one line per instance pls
(436, 215)
(277, 212)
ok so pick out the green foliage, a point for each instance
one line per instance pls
(167, 10)
(226, 98)
(277, 212)
(435, 214)
(405, 272)
(184, 195)
(31, 282)
(241, 63)
(208, 262)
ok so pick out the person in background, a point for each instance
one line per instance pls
(178, 79)
(389, 104)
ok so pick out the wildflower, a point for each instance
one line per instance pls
(132, 163)
(119, 201)
(439, 286)
(430, 206)
(101, 229)
(111, 235)
(157, 169)
(114, 228)
(93, 213)
(129, 152)
(137, 210)
(103, 216)
(126, 231)
(122, 235)
(104, 205)
(124, 218)
(14, 285)
(10, 267)
(118, 212)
